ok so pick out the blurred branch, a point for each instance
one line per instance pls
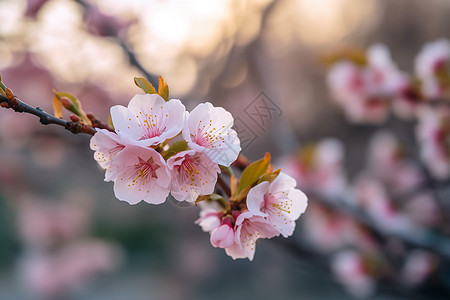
(422, 238)
(14, 103)
(111, 32)
(301, 251)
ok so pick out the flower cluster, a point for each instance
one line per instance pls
(158, 148)
(271, 209)
(147, 159)
(366, 85)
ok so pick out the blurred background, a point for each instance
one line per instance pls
(63, 235)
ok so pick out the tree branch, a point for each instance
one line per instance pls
(45, 118)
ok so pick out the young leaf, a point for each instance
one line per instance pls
(163, 89)
(145, 85)
(255, 170)
(76, 107)
(57, 107)
(269, 176)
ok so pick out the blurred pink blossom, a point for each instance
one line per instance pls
(53, 275)
(433, 134)
(43, 224)
(430, 65)
(364, 92)
(372, 197)
(330, 231)
(318, 168)
(418, 266)
(350, 269)
(387, 163)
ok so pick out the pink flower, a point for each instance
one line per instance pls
(106, 145)
(372, 196)
(210, 216)
(279, 202)
(148, 120)
(223, 236)
(350, 269)
(330, 231)
(418, 266)
(208, 130)
(140, 174)
(248, 229)
(388, 164)
(408, 97)
(433, 133)
(432, 60)
(193, 174)
(319, 168)
(363, 91)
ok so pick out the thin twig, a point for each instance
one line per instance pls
(45, 118)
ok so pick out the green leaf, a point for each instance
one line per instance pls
(251, 174)
(269, 177)
(163, 89)
(145, 85)
(175, 148)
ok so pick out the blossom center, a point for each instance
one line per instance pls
(154, 123)
(146, 169)
(209, 135)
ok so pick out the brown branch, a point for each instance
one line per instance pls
(98, 124)
(14, 103)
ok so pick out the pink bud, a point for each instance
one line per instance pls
(223, 236)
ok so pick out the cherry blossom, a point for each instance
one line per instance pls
(372, 196)
(433, 132)
(210, 216)
(193, 174)
(148, 120)
(407, 96)
(248, 229)
(106, 145)
(208, 130)
(140, 174)
(351, 270)
(223, 236)
(364, 91)
(418, 266)
(319, 167)
(329, 231)
(278, 201)
(431, 63)
(388, 164)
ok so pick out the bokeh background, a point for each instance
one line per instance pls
(54, 204)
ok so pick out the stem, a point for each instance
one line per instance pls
(44, 117)
(224, 185)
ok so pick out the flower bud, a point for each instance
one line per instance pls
(223, 236)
